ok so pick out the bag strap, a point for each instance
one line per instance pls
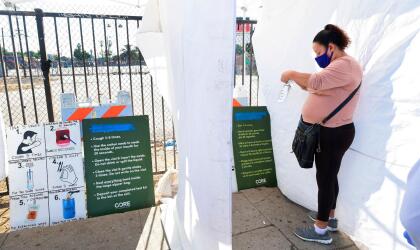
(344, 103)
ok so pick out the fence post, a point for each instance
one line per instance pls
(45, 64)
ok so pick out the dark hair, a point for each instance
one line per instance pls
(332, 34)
(28, 134)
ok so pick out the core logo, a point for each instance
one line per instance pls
(124, 204)
(261, 181)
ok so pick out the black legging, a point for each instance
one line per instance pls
(334, 143)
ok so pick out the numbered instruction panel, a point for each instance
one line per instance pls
(46, 177)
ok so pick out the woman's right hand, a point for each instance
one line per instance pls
(285, 76)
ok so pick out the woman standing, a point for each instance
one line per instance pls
(340, 76)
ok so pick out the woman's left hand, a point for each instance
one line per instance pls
(285, 76)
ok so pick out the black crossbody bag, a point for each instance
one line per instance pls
(307, 137)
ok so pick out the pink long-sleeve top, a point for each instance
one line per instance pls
(328, 88)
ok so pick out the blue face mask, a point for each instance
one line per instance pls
(324, 60)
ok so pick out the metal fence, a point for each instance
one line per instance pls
(246, 73)
(45, 54)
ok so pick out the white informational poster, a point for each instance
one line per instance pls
(3, 158)
(46, 175)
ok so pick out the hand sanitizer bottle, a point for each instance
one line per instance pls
(284, 92)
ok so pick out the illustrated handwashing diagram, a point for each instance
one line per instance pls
(28, 143)
(69, 205)
(30, 179)
(66, 172)
(68, 175)
(63, 137)
(32, 211)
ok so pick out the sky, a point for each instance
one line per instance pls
(109, 7)
(125, 7)
(250, 8)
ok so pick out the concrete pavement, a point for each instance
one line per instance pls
(140, 229)
(264, 219)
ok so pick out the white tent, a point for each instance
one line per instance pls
(386, 41)
(190, 53)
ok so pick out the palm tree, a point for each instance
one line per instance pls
(134, 53)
